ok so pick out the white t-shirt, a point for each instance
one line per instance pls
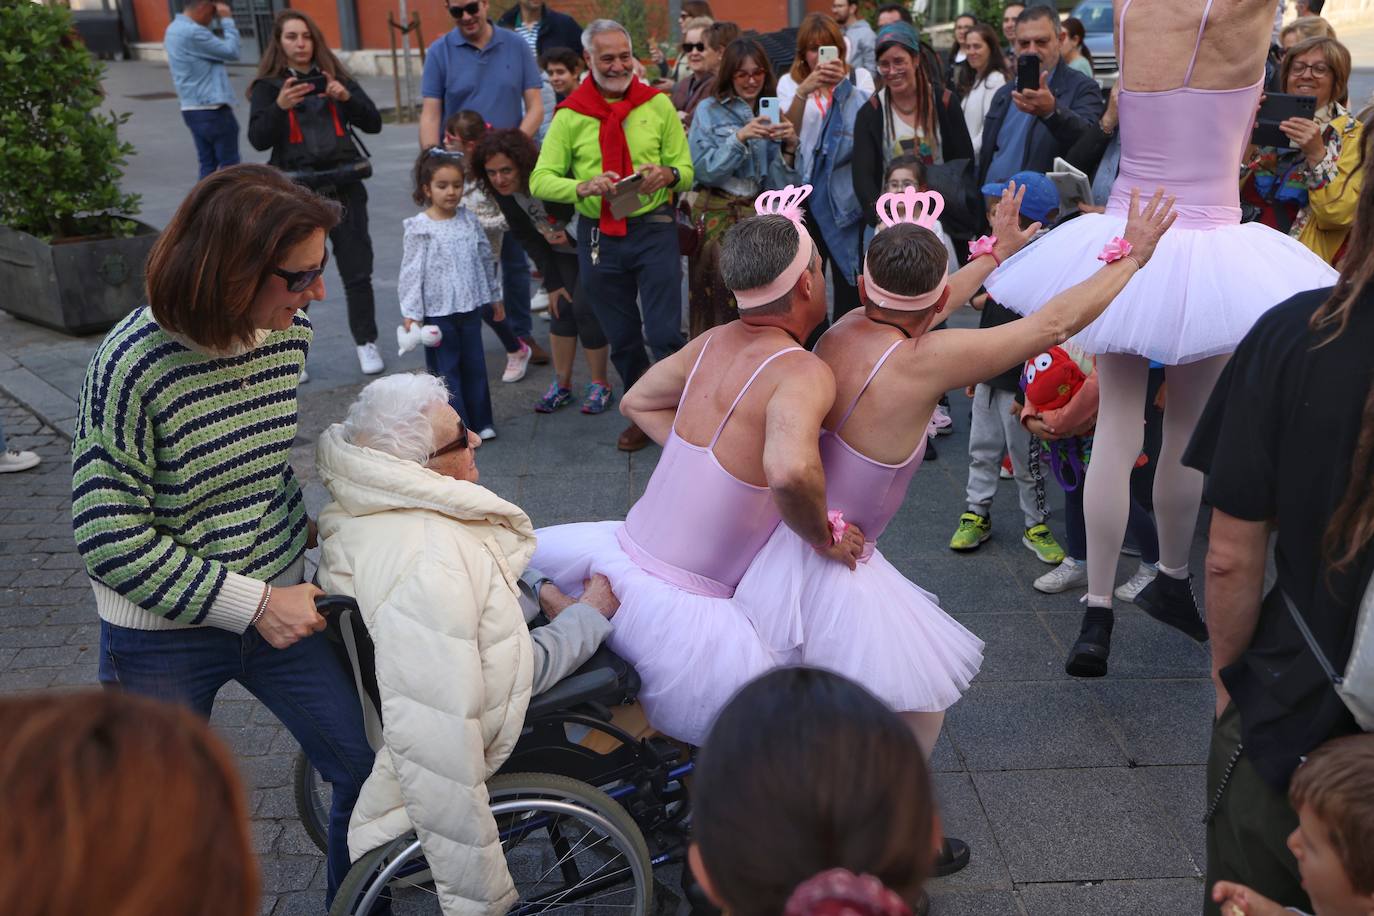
(814, 116)
(976, 105)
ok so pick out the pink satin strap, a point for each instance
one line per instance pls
(739, 397)
(1121, 40)
(691, 375)
(1206, 11)
(868, 381)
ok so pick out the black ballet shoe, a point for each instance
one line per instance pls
(1088, 657)
(954, 855)
(1171, 601)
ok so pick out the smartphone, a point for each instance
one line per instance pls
(1276, 108)
(826, 53)
(316, 82)
(626, 183)
(770, 109)
(1027, 72)
(624, 196)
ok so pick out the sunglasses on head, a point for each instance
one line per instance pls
(689, 46)
(298, 281)
(457, 445)
(471, 9)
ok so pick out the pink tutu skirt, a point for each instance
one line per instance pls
(692, 652)
(1201, 292)
(870, 624)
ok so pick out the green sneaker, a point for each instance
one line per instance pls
(973, 531)
(1039, 539)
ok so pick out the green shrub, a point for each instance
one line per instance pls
(60, 156)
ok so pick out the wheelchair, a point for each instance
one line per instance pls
(585, 811)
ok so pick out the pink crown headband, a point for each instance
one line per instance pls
(786, 202)
(894, 209)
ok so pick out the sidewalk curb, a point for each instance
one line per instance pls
(49, 404)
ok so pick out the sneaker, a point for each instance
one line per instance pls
(941, 421)
(486, 433)
(1171, 601)
(539, 302)
(973, 530)
(17, 461)
(370, 359)
(305, 375)
(598, 398)
(1046, 548)
(1005, 472)
(1143, 576)
(1067, 575)
(557, 396)
(517, 363)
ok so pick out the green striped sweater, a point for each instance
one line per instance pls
(183, 500)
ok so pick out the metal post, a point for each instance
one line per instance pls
(395, 69)
(405, 60)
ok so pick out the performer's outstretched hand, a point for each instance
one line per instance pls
(1006, 223)
(1144, 227)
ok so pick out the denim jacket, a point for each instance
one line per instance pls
(197, 58)
(723, 161)
(834, 205)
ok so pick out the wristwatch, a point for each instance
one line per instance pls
(677, 176)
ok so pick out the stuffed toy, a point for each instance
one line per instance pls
(1050, 381)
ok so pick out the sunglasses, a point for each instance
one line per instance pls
(471, 9)
(298, 281)
(688, 46)
(457, 445)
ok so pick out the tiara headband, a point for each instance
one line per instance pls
(786, 202)
(894, 209)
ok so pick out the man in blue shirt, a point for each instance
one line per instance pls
(197, 57)
(491, 71)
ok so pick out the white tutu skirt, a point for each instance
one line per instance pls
(692, 652)
(870, 624)
(1201, 292)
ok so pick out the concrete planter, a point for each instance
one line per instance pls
(79, 286)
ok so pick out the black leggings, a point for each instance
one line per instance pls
(576, 320)
(353, 257)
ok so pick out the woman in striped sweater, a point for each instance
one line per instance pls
(185, 508)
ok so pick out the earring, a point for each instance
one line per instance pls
(940, 308)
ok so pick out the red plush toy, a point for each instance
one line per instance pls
(1051, 379)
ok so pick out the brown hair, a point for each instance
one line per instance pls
(211, 262)
(815, 31)
(1337, 783)
(693, 9)
(119, 805)
(513, 143)
(736, 53)
(427, 164)
(907, 259)
(466, 125)
(1337, 57)
(965, 76)
(922, 90)
(274, 63)
(718, 35)
(1351, 527)
(804, 771)
(1307, 27)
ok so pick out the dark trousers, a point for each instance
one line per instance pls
(462, 363)
(846, 294)
(216, 132)
(353, 256)
(1140, 528)
(305, 686)
(515, 285)
(502, 329)
(1247, 836)
(643, 263)
(576, 320)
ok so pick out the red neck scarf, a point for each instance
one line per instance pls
(587, 100)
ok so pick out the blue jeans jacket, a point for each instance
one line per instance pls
(723, 161)
(197, 56)
(834, 205)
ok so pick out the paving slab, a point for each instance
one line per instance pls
(1119, 898)
(1031, 725)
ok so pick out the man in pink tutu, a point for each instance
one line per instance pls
(1191, 76)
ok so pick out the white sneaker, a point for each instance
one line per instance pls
(941, 420)
(305, 375)
(1144, 575)
(370, 359)
(17, 461)
(486, 433)
(1068, 574)
(517, 363)
(539, 302)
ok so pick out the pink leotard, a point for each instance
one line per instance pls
(697, 526)
(867, 491)
(1187, 140)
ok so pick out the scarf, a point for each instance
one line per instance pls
(587, 100)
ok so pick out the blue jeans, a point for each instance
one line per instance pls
(216, 133)
(461, 362)
(644, 264)
(515, 286)
(305, 686)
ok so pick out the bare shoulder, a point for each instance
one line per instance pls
(802, 375)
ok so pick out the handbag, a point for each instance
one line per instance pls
(689, 232)
(1356, 686)
(957, 183)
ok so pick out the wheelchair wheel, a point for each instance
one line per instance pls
(570, 848)
(314, 797)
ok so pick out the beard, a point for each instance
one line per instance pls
(615, 85)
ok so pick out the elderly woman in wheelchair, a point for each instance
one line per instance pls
(433, 563)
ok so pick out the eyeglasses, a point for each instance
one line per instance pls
(457, 445)
(1298, 68)
(471, 9)
(750, 76)
(298, 281)
(688, 46)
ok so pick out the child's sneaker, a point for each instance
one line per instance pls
(486, 433)
(1005, 472)
(556, 397)
(1067, 575)
(517, 363)
(1127, 590)
(598, 398)
(1043, 544)
(941, 421)
(973, 530)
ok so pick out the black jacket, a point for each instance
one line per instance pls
(270, 128)
(869, 142)
(1079, 104)
(556, 30)
(533, 241)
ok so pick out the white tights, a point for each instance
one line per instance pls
(1116, 446)
(927, 727)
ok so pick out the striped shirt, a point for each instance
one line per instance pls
(183, 500)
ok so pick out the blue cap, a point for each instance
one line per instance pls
(1041, 196)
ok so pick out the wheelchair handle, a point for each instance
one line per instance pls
(328, 604)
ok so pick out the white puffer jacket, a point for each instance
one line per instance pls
(433, 563)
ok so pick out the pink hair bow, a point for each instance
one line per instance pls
(1115, 250)
(894, 208)
(786, 202)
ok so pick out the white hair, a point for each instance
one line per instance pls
(600, 26)
(392, 415)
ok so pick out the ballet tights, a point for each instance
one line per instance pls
(1122, 380)
(927, 727)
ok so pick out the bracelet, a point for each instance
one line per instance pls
(262, 606)
(985, 245)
